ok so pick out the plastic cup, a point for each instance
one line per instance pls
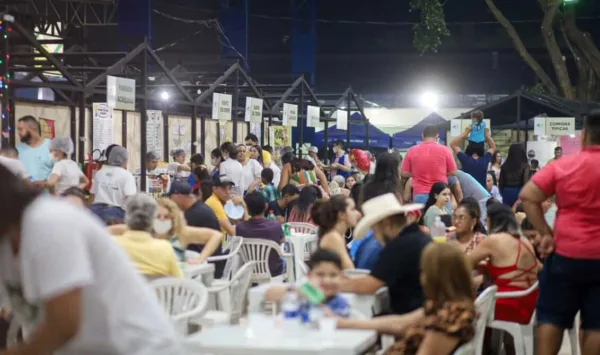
(440, 239)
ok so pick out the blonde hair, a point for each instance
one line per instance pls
(445, 273)
(176, 216)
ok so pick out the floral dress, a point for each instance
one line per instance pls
(454, 319)
(478, 237)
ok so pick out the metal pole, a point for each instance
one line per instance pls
(326, 143)
(203, 134)
(194, 128)
(234, 100)
(81, 136)
(144, 117)
(73, 129)
(4, 73)
(348, 106)
(519, 117)
(166, 134)
(300, 119)
(124, 128)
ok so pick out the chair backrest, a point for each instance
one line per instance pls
(304, 228)
(233, 263)
(484, 305)
(240, 283)
(356, 273)
(258, 250)
(304, 269)
(182, 299)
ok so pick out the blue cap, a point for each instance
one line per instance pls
(179, 188)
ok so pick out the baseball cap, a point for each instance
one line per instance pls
(222, 180)
(179, 188)
(314, 149)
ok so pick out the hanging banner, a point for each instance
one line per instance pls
(539, 126)
(254, 108)
(560, 126)
(455, 128)
(120, 93)
(341, 120)
(225, 131)
(290, 115)
(48, 128)
(255, 128)
(102, 126)
(221, 108)
(313, 116)
(154, 132)
(272, 139)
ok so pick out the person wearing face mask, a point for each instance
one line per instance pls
(34, 150)
(341, 162)
(170, 225)
(232, 168)
(111, 186)
(178, 168)
(66, 172)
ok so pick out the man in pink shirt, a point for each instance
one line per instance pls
(427, 163)
(570, 279)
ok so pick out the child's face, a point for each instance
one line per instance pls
(327, 277)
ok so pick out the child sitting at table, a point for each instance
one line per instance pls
(325, 273)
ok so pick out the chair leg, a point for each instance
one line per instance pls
(519, 342)
(574, 340)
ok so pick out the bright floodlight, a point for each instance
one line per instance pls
(430, 100)
(164, 96)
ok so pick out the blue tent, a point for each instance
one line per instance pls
(414, 135)
(358, 133)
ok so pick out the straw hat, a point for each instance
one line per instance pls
(378, 208)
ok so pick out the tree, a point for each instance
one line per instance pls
(558, 18)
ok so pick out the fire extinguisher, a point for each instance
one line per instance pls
(92, 164)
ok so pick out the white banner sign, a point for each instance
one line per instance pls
(539, 126)
(560, 126)
(254, 108)
(290, 115)
(313, 116)
(120, 93)
(102, 126)
(341, 120)
(455, 128)
(221, 108)
(154, 132)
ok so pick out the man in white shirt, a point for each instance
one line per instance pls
(232, 168)
(69, 283)
(111, 186)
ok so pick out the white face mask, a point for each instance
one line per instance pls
(162, 227)
(52, 157)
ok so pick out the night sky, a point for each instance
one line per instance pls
(478, 56)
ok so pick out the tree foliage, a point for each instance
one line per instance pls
(428, 33)
(565, 43)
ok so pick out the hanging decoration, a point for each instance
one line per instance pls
(5, 29)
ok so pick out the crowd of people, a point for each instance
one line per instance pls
(74, 267)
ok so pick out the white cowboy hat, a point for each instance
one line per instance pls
(378, 208)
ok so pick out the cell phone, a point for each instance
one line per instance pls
(312, 293)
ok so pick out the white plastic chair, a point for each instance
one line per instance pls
(356, 273)
(522, 334)
(303, 269)
(12, 334)
(259, 250)
(232, 264)
(182, 299)
(303, 228)
(484, 305)
(233, 300)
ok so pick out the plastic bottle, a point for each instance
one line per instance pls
(438, 230)
(290, 308)
(271, 216)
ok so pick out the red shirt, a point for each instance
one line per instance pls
(574, 181)
(428, 162)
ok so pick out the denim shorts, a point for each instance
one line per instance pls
(567, 286)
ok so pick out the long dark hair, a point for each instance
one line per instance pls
(472, 207)
(259, 159)
(384, 180)
(516, 160)
(495, 157)
(325, 212)
(436, 189)
(502, 220)
(15, 197)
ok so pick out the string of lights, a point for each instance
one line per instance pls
(6, 30)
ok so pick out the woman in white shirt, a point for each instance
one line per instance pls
(65, 173)
(111, 186)
(251, 168)
(232, 168)
(178, 168)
